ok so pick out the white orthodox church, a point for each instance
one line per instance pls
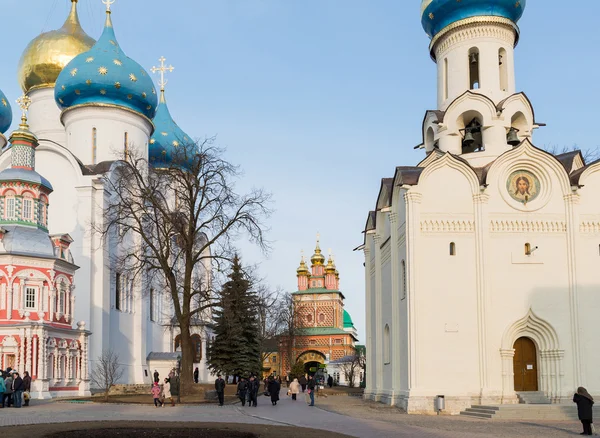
(88, 105)
(482, 260)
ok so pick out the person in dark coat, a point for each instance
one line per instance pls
(220, 388)
(584, 409)
(253, 388)
(196, 374)
(242, 390)
(17, 390)
(311, 390)
(8, 391)
(156, 379)
(27, 387)
(330, 381)
(274, 388)
(302, 381)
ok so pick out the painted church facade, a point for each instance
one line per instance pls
(481, 262)
(90, 105)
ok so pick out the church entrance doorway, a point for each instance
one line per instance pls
(525, 365)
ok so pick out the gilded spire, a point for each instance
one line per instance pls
(330, 268)
(318, 258)
(302, 269)
(24, 102)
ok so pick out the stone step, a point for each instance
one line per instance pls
(490, 408)
(476, 415)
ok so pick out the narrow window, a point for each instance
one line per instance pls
(445, 79)
(118, 292)
(152, 304)
(527, 249)
(94, 145)
(61, 298)
(474, 69)
(30, 298)
(126, 146)
(452, 248)
(27, 209)
(386, 345)
(10, 207)
(321, 317)
(502, 65)
(403, 279)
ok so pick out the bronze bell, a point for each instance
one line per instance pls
(473, 58)
(469, 139)
(512, 138)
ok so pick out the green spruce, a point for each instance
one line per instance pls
(235, 350)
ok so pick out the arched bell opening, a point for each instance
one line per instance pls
(470, 126)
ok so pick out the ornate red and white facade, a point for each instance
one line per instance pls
(37, 299)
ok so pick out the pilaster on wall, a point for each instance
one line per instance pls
(413, 202)
(378, 313)
(370, 378)
(396, 298)
(572, 215)
(480, 201)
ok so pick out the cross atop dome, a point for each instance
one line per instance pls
(108, 4)
(162, 70)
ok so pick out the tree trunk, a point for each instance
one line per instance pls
(186, 377)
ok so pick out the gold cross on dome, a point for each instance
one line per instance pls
(108, 3)
(24, 102)
(162, 70)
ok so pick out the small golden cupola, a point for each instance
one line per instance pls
(330, 268)
(302, 269)
(318, 258)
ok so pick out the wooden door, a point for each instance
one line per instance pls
(525, 365)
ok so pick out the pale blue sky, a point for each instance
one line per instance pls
(318, 100)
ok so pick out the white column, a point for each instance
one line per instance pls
(29, 363)
(413, 201)
(378, 315)
(371, 363)
(35, 365)
(22, 345)
(571, 203)
(396, 298)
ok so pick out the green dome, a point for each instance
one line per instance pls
(348, 320)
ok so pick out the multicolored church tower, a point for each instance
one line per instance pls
(325, 331)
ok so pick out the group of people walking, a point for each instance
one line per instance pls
(247, 390)
(14, 389)
(160, 394)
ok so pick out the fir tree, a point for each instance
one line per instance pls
(236, 347)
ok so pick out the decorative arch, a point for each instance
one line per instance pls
(470, 101)
(550, 355)
(311, 356)
(449, 160)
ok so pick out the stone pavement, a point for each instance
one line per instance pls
(358, 422)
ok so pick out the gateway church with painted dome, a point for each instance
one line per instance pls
(89, 104)
(481, 261)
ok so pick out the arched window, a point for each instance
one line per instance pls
(452, 248)
(177, 343)
(503, 66)
(445, 78)
(527, 249)
(27, 208)
(43, 211)
(321, 317)
(387, 344)
(474, 80)
(197, 345)
(62, 298)
(309, 318)
(94, 145)
(9, 206)
(403, 264)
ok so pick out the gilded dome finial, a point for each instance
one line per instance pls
(318, 258)
(24, 102)
(302, 269)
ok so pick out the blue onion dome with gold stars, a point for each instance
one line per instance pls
(6, 114)
(438, 14)
(105, 76)
(168, 139)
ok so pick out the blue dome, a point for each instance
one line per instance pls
(5, 113)
(104, 75)
(169, 143)
(437, 14)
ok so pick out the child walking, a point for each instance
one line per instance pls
(156, 395)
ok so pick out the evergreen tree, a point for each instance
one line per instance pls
(236, 347)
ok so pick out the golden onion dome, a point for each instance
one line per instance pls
(330, 268)
(302, 269)
(46, 56)
(318, 258)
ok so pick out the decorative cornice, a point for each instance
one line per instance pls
(413, 197)
(590, 227)
(527, 226)
(474, 27)
(447, 226)
(481, 198)
(572, 198)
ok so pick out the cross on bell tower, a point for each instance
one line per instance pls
(162, 70)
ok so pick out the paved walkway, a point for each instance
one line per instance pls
(286, 412)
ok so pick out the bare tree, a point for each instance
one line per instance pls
(177, 220)
(107, 371)
(352, 367)
(289, 328)
(270, 318)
